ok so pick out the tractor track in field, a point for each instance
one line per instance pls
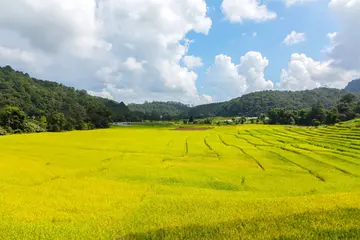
(333, 150)
(246, 140)
(285, 159)
(186, 146)
(326, 153)
(242, 150)
(243, 179)
(349, 152)
(211, 149)
(332, 140)
(309, 157)
(316, 160)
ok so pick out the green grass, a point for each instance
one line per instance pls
(234, 182)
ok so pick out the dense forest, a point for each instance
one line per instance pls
(249, 105)
(31, 105)
(346, 109)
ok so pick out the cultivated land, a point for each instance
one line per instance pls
(250, 181)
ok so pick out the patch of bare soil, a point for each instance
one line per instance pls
(191, 129)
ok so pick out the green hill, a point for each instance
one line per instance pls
(38, 98)
(353, 86)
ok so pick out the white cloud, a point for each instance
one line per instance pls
(241, 10)
(127, 50)
(15, 54)
(345, 44)
(228, 80)
(254, 34)
(305, 73)
(192, 62)
(289, 3)
(294, 38)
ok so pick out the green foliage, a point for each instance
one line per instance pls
(2, 131)
(56, 122)
(13, 119)
(191, 119)
(249, 105)
(345, 110)
(33, 127)
(39, 99)
(159, 110)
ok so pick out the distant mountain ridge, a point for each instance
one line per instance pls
(353, 86)
(40, 98)
(250, 105)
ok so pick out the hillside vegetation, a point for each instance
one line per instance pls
(249, 105)
(244, 182)
(64, 108)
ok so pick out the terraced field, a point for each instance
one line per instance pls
(247, 182)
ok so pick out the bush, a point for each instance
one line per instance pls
(2, 131)
(82, 126)
(32, 127)
(91, 126)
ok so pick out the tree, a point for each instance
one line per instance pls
(348, 98)
(317, 113)
(243, 120)
(43, 122)
(332, 117)
(56, 122)
(191, 119)
(13, 119)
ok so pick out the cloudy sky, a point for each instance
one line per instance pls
(193, 51)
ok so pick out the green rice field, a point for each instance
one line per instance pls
(234, 182)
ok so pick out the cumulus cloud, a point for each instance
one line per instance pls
(228, 80)
(305, 73)
(127, 50)
(294, 38)
(241, 10)
(345, 44)
(192, 62)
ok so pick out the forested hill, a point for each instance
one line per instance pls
(353, 86)
(254, 104)
(38, 98)
(251, 105)
(164, 109)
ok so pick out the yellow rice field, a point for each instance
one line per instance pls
(238, 182)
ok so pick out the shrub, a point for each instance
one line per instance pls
(32, 127)
(2, 131)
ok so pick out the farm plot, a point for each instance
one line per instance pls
(247, 182)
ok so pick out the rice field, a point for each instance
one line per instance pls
(236, 182)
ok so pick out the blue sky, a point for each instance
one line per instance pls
(136, 51)
(227, 38)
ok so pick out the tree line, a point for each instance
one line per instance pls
(248, 105)
(31, 105)
(347, 108)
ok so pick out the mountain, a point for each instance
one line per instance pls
(39, 98)
(250, 105)
(256, 103)
(353, 86)
(164, 109)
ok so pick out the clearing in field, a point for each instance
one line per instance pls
(248, 182)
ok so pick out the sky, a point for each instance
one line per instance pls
(192, 51)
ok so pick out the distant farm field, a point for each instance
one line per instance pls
(238, 182)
